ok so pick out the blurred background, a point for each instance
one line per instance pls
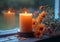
(17, 4)
(52, 6)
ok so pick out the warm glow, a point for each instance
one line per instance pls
(9, 12)
(25, 22)
(25, 12)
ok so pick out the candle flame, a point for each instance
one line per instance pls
(25, 12)
(9, 12)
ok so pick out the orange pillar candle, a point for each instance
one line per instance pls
(9, 19)
(25, 20)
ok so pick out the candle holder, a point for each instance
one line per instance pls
(26, 35)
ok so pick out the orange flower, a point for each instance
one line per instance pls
(40, 29)
(43, 14)
(40, 19)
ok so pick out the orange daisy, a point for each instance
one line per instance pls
(40, 29)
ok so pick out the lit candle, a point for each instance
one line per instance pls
(25, 20)
(9, 19)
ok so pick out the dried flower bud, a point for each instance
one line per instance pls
(42, 7)
(51, 24)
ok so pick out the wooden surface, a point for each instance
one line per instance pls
(14, 38)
